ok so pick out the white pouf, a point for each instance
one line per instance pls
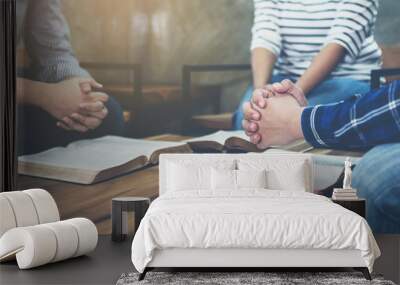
(31, 231)
(23, 208)
(41, 244)
(7, 220)
(46, 207)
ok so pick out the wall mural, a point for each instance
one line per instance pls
(102, 92)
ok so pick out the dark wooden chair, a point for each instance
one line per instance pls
(216, 120)
(130, 94)
(150, 109)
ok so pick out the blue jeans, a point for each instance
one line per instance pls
(377, 178)
(329, 91)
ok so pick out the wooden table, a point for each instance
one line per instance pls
(94, 201)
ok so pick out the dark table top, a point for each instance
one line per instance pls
(102, 266)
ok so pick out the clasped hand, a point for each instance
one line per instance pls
(76, 105)
(273, 116)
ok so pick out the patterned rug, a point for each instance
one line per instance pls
(244, 278)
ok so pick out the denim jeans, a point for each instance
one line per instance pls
(377, 179)
(38, 130)
(329, 91)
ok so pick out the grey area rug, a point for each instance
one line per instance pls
(229, 278)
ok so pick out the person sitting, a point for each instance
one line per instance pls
(361, 122)
(326, 47)
(58, 101)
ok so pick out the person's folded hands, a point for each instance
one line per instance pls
(91, 111)
(252, 115)
(278, 123)
(253, 109)
(287, 87)
(250, 125)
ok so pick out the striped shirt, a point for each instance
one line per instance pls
(296, 31)
(359, 122)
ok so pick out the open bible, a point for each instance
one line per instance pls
(95, 160)
(91, 161)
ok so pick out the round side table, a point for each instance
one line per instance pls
(123, 209)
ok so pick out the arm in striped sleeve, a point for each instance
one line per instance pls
(265, 30)
(355, 22)
(360, 122)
